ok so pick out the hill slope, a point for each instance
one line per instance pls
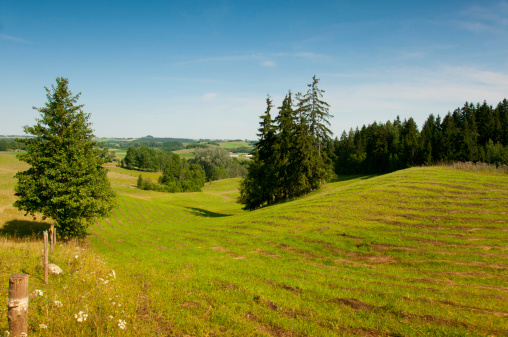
(421, 251)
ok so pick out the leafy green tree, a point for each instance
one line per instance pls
(211, 157)
(66, 180)
(4, 146)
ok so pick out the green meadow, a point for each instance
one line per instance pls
(418, 252)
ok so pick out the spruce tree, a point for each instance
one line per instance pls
(283, 147)
(257, 188)
(66, 180)
(317, 114)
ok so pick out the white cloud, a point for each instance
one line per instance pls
(209, 96)
(310, 55)
(13, 38)
(268, 64)
(491, 20)
(408, 93)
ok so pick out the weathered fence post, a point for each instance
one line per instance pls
(54, 236)
(17, 305)
(45, 256)
(51, 241)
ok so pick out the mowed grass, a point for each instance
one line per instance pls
(419, 252)
(234, 144)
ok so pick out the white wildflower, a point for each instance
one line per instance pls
(81, 316)
(121, 324)
(114, 303)
(43, 326)
(65, 287)
(23, 334)
(119, 305)
(58, 304)
(38, 293)
(76, 256)
(110, 317)
(113, 274)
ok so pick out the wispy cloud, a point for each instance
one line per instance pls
(184, 79)
(412, 92)
(482, 19)
(13, 39)
(310, 55)
(209, 96)
(268, 64)
(258, 57)
(221, 59)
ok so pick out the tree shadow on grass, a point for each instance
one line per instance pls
(23, 228)
(205, 213)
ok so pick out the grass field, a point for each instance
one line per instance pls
(419, 252)
(234, 144)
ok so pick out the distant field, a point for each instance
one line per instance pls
(186, 153)
(234, 144)
(418, 252)
(119, 153)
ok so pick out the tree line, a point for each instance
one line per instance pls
(292, 156)
(477, 133)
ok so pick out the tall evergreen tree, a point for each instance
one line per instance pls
(66, 180)
(317, 114)
(257, 188)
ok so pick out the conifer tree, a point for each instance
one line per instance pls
(257, 188)
(317, 113)
(66, 180)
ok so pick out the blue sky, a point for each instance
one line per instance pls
(202, 69)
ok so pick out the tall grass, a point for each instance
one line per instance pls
(89, 299)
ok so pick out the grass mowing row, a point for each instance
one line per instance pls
(416, 252)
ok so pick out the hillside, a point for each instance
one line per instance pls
(421, 251)
(418, 251)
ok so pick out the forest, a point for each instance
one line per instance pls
(476, 133)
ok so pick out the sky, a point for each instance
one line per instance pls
(203, 69)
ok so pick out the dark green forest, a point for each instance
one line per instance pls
(476, 133)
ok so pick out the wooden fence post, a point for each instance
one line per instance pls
(17, 305)
(45, 256)
(51, 243)
(54, 236)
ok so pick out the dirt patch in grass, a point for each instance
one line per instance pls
(271, 329)
(449, 218)
(219, 249)
(269, 254)
(294, 290)
(377, 259)
(359, 305)
(353, 303)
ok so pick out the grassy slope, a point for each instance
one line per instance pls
(420, 251)
(417, 252)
